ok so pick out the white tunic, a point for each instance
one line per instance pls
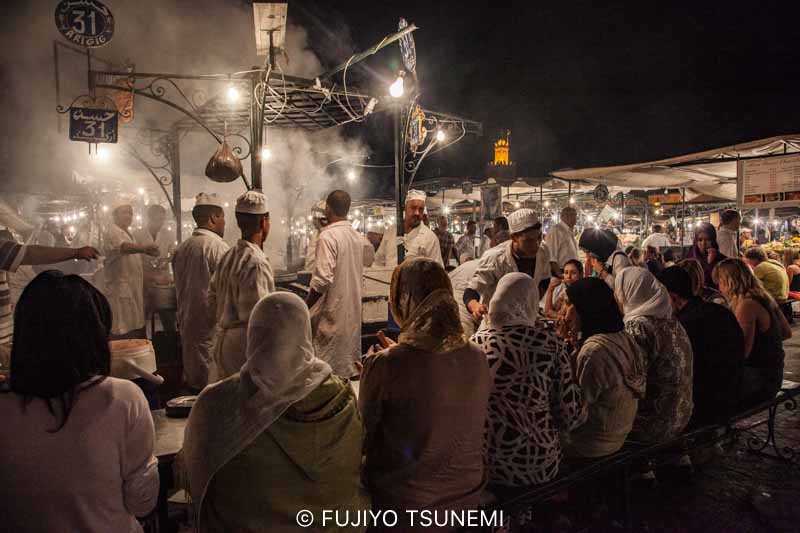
(336, 316)
(165, 240)
(419, 242)
(123, 282)
(460, 278)
(311, 252)
(243, 277)
(657, 240)
(194, 262)
(561, 242)
(499, 261)
(727, 239)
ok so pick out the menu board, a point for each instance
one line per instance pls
(769, 181)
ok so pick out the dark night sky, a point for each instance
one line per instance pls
(591, 83)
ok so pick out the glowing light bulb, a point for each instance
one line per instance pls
(351, 176)
(547, 203)
(227, 204)
(358, 212)
(141, 190)
(440, 136)
(104, 209)
(138, 218)
(396, 89)
(572, 200)
(232, 94)
(517, 205)
(446, 210)
(102, 153)
(265, 153)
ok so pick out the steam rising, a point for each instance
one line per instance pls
(180, 36)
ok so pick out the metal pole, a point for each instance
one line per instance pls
(541, 203)
(175, 168)
(256, 129)
(398, 183)
(683, 217)
(622, 215)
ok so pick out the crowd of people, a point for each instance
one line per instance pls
(487, 389)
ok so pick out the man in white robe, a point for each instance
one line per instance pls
(194, 263)
(156, 270)
(561, 238)
(418, 239)
(244, 277)
(123, 278)
(334, 300)
(524, 252)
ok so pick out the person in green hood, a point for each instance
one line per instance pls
(282, 435)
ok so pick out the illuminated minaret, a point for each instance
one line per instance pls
(502, 169)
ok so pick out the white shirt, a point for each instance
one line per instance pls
(459, 279)
(419, 242)
(466, 245)
(561, 241)
(311, 251)
(657, 241)
(194, 262)
(155, 266)
(243, 277)
(727, 239)
(499, 261)
(336, 316)
(123, 282)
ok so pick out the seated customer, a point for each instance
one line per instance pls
(533, 394)
(281, 435)
(764, 328)
(77, 445)
(610, 369)
(556, 295)
(699, 288)
(424, 401)
(717, 350)
(667, 407)
(771, 273)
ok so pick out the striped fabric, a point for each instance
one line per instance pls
(11, 255)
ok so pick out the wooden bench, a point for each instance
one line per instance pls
(634, 458)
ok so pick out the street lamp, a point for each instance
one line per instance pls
(396, 89)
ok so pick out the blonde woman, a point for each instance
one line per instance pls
(699, 289)
(764, 328)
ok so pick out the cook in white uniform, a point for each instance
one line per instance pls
(194, 262)
(460, 278)
(561, 238)
(419, 240)
(335, 297)
(657, 239)
(156, 271)
(319, 221)
(244, 277)
(123, 277)
(524, 252)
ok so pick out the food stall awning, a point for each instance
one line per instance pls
(711, 172)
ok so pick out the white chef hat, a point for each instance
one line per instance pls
(522, 219)
(415, 194)
(253, 202)
(208, 199)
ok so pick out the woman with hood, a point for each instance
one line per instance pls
(281, 435)
(534, 395)
(706, 250)
(424, 402)
(666, 409)
(604, 257)
(610, 369)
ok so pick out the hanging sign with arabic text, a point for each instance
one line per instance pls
(93, 125)
(87, 23)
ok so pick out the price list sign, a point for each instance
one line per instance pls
(769, 181)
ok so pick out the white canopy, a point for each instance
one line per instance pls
(695, 171)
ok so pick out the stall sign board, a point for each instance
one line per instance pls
(491, 202)
(87, 23)
(93, 125)
(769, 182)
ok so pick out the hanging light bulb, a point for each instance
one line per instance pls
(446, 210)
(440, 136)
(547, 203)
(265, 153)
(572, 200)
(351, 176)
(396, 89)
(232, 94)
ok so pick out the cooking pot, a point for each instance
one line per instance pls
(133, 359)
(163, 297)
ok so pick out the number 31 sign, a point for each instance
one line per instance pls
(86, 23)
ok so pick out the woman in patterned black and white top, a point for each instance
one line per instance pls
(534, 396)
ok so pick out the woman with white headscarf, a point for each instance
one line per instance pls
(534, 395)
(424, 403)
(282, 435)
(647, 310)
